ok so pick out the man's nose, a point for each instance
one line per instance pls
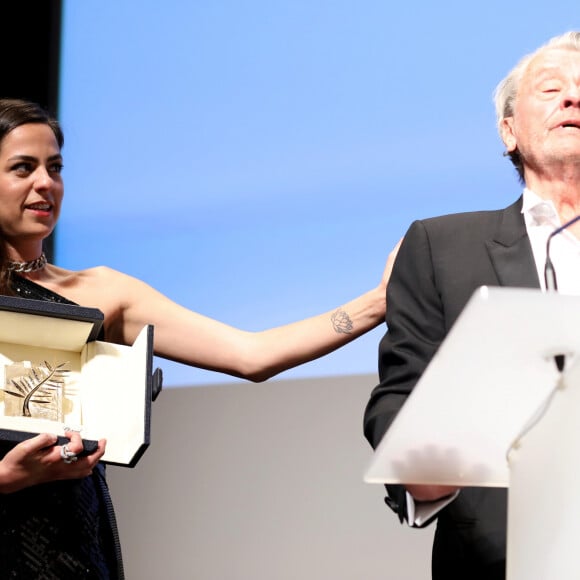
(571, 97)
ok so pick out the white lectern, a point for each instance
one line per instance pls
(493, 410)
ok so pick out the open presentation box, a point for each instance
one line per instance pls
(54, 374)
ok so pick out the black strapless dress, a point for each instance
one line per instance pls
(61, 530)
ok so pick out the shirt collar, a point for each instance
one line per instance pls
(538, 211)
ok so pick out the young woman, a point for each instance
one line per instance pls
(55, 517)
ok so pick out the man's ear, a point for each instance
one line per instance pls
(507, 134)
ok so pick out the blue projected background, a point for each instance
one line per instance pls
(256, 161)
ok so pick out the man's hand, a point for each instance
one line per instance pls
(430, 492)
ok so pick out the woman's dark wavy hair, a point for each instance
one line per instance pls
(14, 113)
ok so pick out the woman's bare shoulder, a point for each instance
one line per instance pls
(99, 286)
(94, 275)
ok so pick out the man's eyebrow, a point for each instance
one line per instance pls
(548, 70)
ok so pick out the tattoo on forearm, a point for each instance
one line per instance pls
(341, 322)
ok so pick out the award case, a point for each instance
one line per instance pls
(106, 389)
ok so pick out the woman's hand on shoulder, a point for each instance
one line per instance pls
(39, 460)
(389, 265)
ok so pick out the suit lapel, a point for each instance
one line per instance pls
(510, 250)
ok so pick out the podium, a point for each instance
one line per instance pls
(492, 409)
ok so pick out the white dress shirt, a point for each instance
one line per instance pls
(541, 220)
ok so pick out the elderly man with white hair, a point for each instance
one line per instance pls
(443, 260)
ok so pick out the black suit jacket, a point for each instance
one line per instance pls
(439, 265)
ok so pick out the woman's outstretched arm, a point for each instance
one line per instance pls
(191, 338)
